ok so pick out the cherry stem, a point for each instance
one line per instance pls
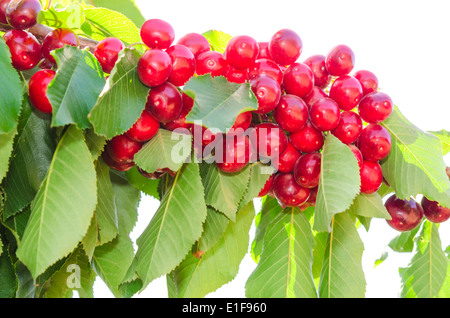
(47, 4)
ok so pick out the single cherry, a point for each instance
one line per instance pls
(37, 90)
(235, 154)
(358, 154)
(317, 65)
(287, 159)
(195, 42)
(3, 6)
(285, 47)
(236, 75)
(107, 52)
(267, 67)
(57, 39)
(270, 140)
(346, 91)
(374, 142)
(349, 127)
(288, 192)
(340, 60)
(375, 107)
(291, 113)
(119, 166)
(434, 212)
(405, 214)
(211, 62)
(307, 139)
(371, 176)
(157, 34)
(307, 170)
(165, 102)
(241, 51)
(22, 14)
(24, 48)
(183, 64)
(368, 80)
(122, 149)
(315, 94)
(263, 51)
(145, 128)
(267, 92)
(298, 80)
(242, 122)
(267, 186)
(325, 114)
(154, 67)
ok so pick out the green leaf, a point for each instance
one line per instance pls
(71, 16)
(369, 205)
(124, 99)
(95, 143)
(62, 209)
(444, 136)
(259, 174)
(339, 182)
(415, 164)
(6, 148)
(404, 242)
(146, 185)
(195, 278)
(285, 267)
(26, 284)
(76, 87)
(10, 91)
(126, 7)
(218, 40)
(174, 228)
(218, 102)
(8, 278)
(342, 273)
(213, 228)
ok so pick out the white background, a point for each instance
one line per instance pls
(405, 43)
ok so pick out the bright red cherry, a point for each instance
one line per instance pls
(107, 53)
(144, 129)
(263, 51)
(242, 122)
(267, 187)
(307, 170)
(241, 51)
(375, 107)
(298, 80)
(37, 90)
(315, 94)
(236, 75)
(349, 127)
(317, 65)
(307, 139)
(165, 102)
(374, 142)
(157, 34)
(195, 42)
(22, 14)
(188, 104)
(122, 149)
(235, 154)
(119, 166)
(285, 47)
(325, 114)
(211, 62)
(154, 67)
(405, 214)
(434, 212)
(183, 64)
(358, 155)
(180, 124)
(340, 60)
(3, 6)
(267, 92)
(267, 67)
(371, 176)
(346, 91)
(287, 159)
(288, 192)
(57, 39)
(24, 48)
(270, 140)
(368, 80)
(291, 113)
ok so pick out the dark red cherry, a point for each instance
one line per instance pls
(288, 192)
(107, 52)
(188, 104)
(270, 141)
(291, 113)
(340, 60)
(317, 65)
(236, 75)
(316, 94)
(24, 48)
(263, 51)
(157, 34)
(368, 80)
(242, 122)
(119, 166)
(267, 92)
(286, 161)
(346, 91)
(22, 14)
(358, 154)
(374, 142)
(298, 80)
(267, 187)
(195, 42)
(211, 62)
(325, 114)
(241, 51)
(434, 212)
(57, 39)
(3, 6)
(349, 127)
(375, 107)
(122, 149)
(154, 67)
(235, 154)
(285, 47)
(37, 90)
(267, 67)
(405, 214)
(180, 125)
(371, 177)
(307, 170)
(307, 139)
(165, 102)
(183, 64)
(145, 128)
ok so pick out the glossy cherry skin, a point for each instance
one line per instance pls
(195, 42)
(122, 149)
(242, 122)
(288, 192)
(37, 90)
(346, 91)
(298, 80)
(374, 142)
(144, 129)
(317, 65)
(241, 51)
(57, 39)
(325, 114)
(368, 81)
(371, 176)
(3, 6)
(236, 153)
(287, 159)
(434, 212)
(179, 125)
(263, 51)
(307, 139)
(268, 140)
(349, 127)
(22, 14)
(267, 67)
(157, 34)
(165, 103)
(211, 62)
(375, 107)
(154, 67)
(236, 75)
(119, 166)
(107, 53)
(358, 154)
(267, 92)
(267, 187)
(291, 114)
(307, 170)
(405, 214)
(315, 94)
(340, 60)
(183, 64)
(285, 47)
(24, 48)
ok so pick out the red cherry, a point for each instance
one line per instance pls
(263, 51)
(195, 42)
(188, 104)
(298, 80)
(267, 187)
(349, 127)
(22, 14)
(145, 128)
(346, 91)
(24, 48)
(288, 192)
(371, 177)
(368, 80)
(340, 60)
(3, 6)
(154, 67)
(235, 155)
(236, 75)
(211, 62)
(37, 90)
(317, 65)
(270, 140)
(285, 47)
(242, 122)
(107, 53)
(307, 139)
(405, 214)
(165, 102)
(183, 64)
(122, 149)
(119, 166)
(374, 142)
(325, 114)
(434, 212)
(285, 163)
(307, 170)
(241, 51)
(180, 124)
(358, 155)
(291, 113)
(157, 34)
(267, 92)
(316, 94)
(267, 67)
(57, 39)
(375, 107)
